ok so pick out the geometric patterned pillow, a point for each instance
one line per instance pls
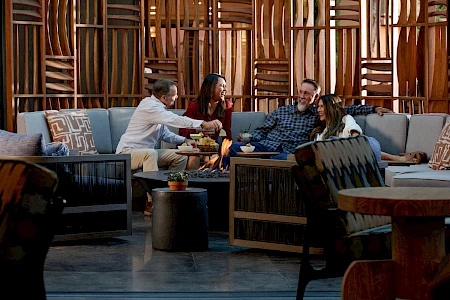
(73, 129)
(440, 160)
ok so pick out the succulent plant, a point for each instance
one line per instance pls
(178, 176)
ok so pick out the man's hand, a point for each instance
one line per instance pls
(190, 142)
(214, 124)
(247, 139)
(382, 110)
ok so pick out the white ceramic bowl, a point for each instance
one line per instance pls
(185, 148)
(247, 149)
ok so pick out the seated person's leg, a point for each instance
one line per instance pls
(168, 158)
(281, 156)
(147, 159)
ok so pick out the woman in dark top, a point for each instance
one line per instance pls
(210, 105)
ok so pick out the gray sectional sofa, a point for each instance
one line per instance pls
(396, 133)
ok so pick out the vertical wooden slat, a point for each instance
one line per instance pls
(348, 63)
(169, 43)
(124, 67)
(26, 59)
(62, 28)
(36, 61)
(158, 39)
(114, 62)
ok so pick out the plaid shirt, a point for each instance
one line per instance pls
(286, 128)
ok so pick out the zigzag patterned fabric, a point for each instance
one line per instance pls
(333, 165)
(440, 160)
(73, 129)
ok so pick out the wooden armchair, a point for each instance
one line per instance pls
(28, 215)
(323, 168)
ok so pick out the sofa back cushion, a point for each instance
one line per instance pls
(119, 117)
(390, 131)
(242, 120)
(32, 123)
(100, 129)
(329, 166)
(424, 131)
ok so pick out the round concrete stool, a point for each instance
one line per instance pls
(180, 219)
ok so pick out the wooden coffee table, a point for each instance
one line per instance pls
(419, 262)
(257, 154)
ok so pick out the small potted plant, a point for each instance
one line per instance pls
(178, 181)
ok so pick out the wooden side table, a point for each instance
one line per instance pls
(180, 219)
(419, 262)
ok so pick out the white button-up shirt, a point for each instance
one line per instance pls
(148, 126)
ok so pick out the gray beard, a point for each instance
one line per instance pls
(301, 108)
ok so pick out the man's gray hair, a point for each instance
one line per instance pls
(162, 87)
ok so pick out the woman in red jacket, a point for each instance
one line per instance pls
(210, 105)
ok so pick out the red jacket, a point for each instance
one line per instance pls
(193, 111)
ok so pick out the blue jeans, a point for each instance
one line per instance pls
(236, 147)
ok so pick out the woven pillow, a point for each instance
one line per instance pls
(440, 160)
(15, 144)
(73, 129)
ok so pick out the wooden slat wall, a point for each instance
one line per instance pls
(105, 53)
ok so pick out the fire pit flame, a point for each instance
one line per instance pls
(215, 164)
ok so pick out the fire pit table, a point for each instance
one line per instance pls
(218, 193)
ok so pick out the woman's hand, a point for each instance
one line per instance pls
(214, 124)
(247, 139)
(383, 110)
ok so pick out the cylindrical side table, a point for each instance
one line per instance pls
(180, 219)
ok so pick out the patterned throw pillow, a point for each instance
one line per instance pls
(73, 129)
(440, 160)
(15, 144)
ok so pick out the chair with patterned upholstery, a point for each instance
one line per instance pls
(323, 168)
(27, 217)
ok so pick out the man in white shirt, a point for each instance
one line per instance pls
(148, 126)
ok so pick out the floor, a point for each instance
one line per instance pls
(128, 268)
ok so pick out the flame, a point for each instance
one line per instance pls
(216, 162)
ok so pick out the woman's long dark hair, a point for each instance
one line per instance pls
(334, 112)
(206, 92)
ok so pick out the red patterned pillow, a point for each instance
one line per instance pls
(73, 129)
(440, 160)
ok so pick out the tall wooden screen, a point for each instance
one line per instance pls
(106, 53)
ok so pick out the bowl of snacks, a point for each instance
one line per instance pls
(207, 144)
(247, 148)
(185, 147)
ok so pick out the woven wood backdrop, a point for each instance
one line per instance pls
(106, 53)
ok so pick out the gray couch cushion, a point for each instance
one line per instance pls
(390, 130)
(392, 171)
(242, 120)
(424, 131)
(119, 117)
(32, 123)
(15, 144)
(430, 178)
(98, 117)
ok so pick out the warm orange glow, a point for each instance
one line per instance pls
(216, 162)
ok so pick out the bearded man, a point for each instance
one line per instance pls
(290, 126)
